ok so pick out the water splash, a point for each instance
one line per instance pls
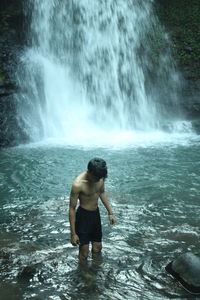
(95, 67)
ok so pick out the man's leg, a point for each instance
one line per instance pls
(96, 253)
(96, 247)
(83, 252)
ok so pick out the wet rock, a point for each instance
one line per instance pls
(62, 297)
(4, 255)
(11, 43)
(10, 132)
(196, 126)
(192, 110)
(41, 277)
(186, 269)
(188, 50)
(27, 273)
(10, 291)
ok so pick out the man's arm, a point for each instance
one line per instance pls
(72, 206)
(104, 198)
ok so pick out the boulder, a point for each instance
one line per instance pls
(27, 273)
(186, 269)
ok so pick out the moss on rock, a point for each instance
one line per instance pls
(182, 21)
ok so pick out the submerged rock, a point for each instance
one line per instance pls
(186, 269)
(10, 291)
(27, 273)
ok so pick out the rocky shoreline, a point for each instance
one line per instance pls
(171, 13)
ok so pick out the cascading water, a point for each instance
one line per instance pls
(94, 66)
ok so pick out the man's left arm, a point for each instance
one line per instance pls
(104, 198)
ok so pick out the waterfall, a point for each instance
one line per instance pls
(91, 66)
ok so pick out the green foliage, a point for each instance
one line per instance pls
(182, 20)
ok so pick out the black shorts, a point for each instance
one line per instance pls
(88, 225)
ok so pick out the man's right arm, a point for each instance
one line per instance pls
(72, 206)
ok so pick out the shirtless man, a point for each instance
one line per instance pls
(85, 222)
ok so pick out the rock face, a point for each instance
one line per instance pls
(186, 269)
(11, 43)
(181, 19)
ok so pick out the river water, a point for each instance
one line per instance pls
(97, 78)
(154, 191)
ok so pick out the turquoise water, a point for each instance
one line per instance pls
(154, 192)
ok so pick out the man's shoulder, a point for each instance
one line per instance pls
(79, 181)
(101, 184)
(76, 187)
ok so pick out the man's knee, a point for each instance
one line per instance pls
(96, 248)
(83, 253)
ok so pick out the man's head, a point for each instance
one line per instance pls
(97, 168)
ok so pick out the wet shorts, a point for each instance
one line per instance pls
(88, 225)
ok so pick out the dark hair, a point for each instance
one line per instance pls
(98, 168)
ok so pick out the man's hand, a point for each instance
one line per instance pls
(74, 239)
(111, 219)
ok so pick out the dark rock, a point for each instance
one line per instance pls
(4, 255)
(11, 42)
(10, 132)
(196, 126)
(192, 110)
(27, 273)
(10, 291)
(186, 269)
(188, 49)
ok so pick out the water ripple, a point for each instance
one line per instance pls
(157, 211)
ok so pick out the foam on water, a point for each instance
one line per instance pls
(116, 139)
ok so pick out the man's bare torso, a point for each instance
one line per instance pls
(89, 191)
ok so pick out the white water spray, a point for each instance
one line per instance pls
(92, 68)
